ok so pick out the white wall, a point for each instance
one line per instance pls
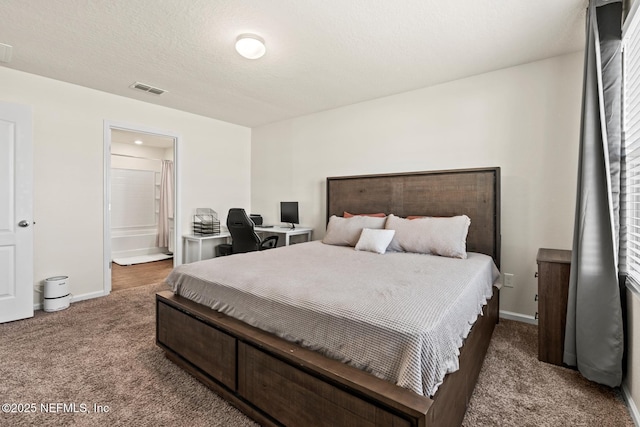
(68, 163)
(524, 119)
(631, 382)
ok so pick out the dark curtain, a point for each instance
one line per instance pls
(594, 334)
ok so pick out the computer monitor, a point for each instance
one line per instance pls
(289, 213)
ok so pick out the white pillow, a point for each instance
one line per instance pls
(346, 231)
(430, 235)
(374, 240)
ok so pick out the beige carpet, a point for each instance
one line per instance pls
(516, 389)
(102, 352)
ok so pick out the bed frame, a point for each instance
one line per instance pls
(279, 383)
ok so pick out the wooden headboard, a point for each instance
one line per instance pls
(472, 192)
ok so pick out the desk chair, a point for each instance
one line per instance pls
(243, 236)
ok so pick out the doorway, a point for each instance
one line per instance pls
(141, 221)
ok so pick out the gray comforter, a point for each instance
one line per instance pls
(400, 316)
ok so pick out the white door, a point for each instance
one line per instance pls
(16, 211)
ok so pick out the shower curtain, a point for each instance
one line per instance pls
(166, 204)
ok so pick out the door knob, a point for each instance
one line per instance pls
(23, 223)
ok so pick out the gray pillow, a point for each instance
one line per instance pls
(430, 235)
(346, 231)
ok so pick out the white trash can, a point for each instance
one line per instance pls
(56, 293)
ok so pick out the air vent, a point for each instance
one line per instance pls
(147, 88)
(5, 52)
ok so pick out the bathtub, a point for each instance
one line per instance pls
(134, 242)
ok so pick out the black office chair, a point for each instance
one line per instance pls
(243, 236)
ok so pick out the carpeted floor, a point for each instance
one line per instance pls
(516, 389)
(97, 364)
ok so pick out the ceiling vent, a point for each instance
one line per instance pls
(147, 88)
(5, 52)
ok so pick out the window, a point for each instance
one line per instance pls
(631, 135)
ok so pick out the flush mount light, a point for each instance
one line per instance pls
(138, 142)
(250, 46)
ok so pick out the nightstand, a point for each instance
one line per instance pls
(554, 267)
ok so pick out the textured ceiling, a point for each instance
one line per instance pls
(320, 54)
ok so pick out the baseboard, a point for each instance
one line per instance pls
(518, 317)
(633, 409)
(76, 298)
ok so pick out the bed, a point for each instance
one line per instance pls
(278, 382)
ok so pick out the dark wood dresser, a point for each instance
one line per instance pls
(554, 266)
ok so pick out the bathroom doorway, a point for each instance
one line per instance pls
(141, 206)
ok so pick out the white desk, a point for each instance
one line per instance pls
(287, 232)
(199, 238)
(225, 237)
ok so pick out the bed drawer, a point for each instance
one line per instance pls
(295, 398)
(210, 349)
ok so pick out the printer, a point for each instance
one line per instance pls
(257, 219)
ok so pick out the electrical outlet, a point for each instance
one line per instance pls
(508, 280)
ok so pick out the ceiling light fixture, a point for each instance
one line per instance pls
(138, 142)
(250, 46)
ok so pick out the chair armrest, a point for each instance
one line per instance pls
(269, 243)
